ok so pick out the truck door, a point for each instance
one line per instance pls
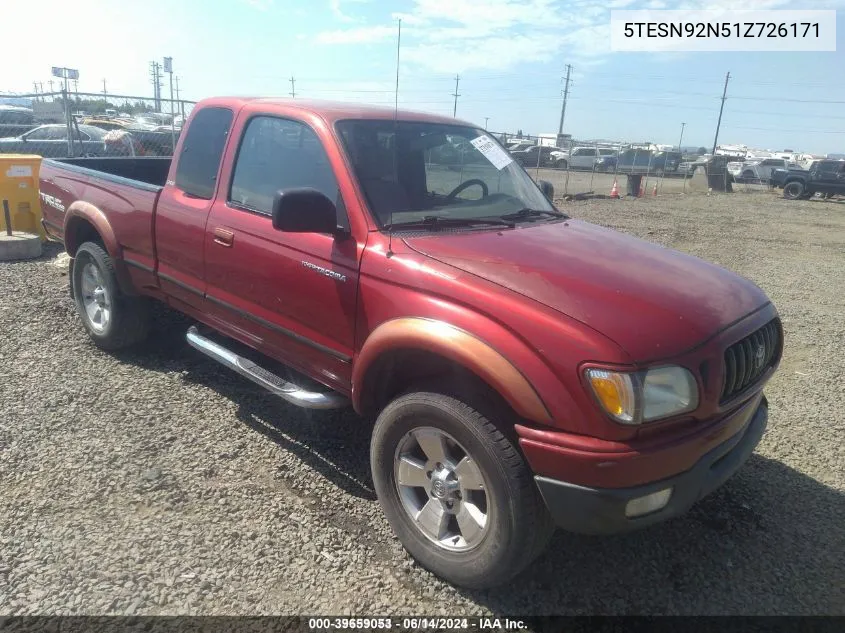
(185, 203)
(291, 295)
(829, 177)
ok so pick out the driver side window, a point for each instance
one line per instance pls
(281, 154)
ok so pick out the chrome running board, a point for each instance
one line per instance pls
(271, 382)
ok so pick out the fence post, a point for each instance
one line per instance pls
(68, 123)
(7, 216)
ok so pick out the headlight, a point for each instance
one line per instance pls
(637, 397)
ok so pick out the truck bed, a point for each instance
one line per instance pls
(150, 171)
(125, 190)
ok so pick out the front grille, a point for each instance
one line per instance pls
(749, 359)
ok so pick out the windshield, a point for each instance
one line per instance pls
(410, 171)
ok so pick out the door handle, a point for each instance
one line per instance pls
(224, 237)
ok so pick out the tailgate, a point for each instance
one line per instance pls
(59, 188)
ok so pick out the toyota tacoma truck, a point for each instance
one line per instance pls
(525, 369)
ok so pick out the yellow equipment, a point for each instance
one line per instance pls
(19, 185)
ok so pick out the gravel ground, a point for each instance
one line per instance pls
(155, 482)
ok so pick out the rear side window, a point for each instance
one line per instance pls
(278, 154)
(199, 161)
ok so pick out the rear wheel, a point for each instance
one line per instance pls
(793, 190)
(113, 319)
(456, 491)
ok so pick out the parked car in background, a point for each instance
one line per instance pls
(15, 120)
(824, 176)
(107, 123)
(688, 167)
(51, 140)
(778, 176)
(580, 157)
(521, 144)
(638, 161)
(536, 156)
(759, 169)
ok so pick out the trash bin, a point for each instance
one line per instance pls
(19, 185)
(718, 178)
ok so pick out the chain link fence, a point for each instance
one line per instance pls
(79, 124)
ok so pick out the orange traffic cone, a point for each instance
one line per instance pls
(614, 191)
(654, 191)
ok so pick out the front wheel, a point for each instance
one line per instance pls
(456, 491)
(561, 164)
(793, 190)
(113, 319)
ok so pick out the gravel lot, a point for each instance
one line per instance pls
(156, 482)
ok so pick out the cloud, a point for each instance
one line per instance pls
(463, 35)
(336, 7)
(261, 5)
(356, 35)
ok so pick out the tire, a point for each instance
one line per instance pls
(113, 319)
(561, 164)
(517, 525)
(748, 175)
(793, 190)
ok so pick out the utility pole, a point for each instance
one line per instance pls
(487, 118)
(456, 95)
(683, 125)
(396, 91)
(105, 92)
(168, 68)
(155, 72)
(50, 83)
(35, 85)
(292, 87)
(721, 108)
(565, 96)
(181, 103)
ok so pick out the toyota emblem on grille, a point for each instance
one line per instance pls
(759, 356)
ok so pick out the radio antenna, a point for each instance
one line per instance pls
(395, 135)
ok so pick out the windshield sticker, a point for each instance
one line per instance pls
(492, 152)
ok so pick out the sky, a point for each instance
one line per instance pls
(510, 56)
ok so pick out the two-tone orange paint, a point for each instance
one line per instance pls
(459, 346)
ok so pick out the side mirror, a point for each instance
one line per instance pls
(304, 210)
(547, 188)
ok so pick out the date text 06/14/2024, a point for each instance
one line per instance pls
(417, 623)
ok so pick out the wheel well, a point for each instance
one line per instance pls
(78, 232)
(394, 372)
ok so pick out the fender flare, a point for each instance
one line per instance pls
(456, 345)
(81, 210)
(85, 211)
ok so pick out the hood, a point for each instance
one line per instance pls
(653, 301)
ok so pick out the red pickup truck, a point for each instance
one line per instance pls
(526, 370)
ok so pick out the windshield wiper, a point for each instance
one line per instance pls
(434, 221)
(524, 214)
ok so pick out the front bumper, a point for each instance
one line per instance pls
(602, 510)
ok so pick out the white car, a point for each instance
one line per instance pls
(580, 157)
(756, 170)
